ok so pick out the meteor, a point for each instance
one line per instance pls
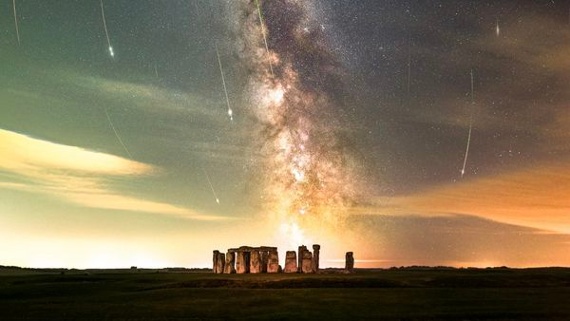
(117, 134)
(230, 111)
(263, 33)
(470, 129)
(16, 21)
(211, 186)
(111, 52)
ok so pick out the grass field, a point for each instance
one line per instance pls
(406, 294)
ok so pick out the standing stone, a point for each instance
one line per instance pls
(291, 262)
(215, 261)
(264, 259)
(302, 250)
(255, 262)
(273, 262)
(241, 264)
(349, 266)
(316, 249)
(229, 268)
(307, 265)
(220, 263)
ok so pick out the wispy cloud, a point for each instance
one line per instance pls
(77, 175)
(533, 197)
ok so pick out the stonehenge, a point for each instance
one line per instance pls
(265, 259)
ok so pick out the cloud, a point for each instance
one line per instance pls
(77, 175)
(533, 197)
(33, 157)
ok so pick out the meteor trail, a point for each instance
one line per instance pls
(264, 35)
(116, 133)
(106, 31)
(16, 21)
(211, 186)
(470, 129)
(230, 111)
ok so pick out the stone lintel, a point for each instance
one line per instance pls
(252, 248)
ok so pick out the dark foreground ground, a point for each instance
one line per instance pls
(406, 294)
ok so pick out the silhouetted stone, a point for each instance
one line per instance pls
(316, 249)
(290, 262)
(349, 265)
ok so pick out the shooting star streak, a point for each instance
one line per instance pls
(111, 52)
(230, 111)
(16, 21)
(211, 186)
(470, 128)
(116, 133)
(263, 33)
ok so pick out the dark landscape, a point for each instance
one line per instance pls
(412, 293)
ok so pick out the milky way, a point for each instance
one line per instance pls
(294, 93)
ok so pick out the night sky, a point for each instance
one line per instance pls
(409, 132)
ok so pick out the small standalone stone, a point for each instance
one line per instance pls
(307, 266)
(290, 262)
(255, 262)
(229, 268)
(349, 265)
(273, 262)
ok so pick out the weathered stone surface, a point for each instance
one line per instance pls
(242, 262)
(218, 262)
(221, 263)
(229, 268)
(255, 262)
(307, 265)
(215, 261)
(264, 261)
(273, 262)
(250, 248)
(300, 252)
(316, 249)
(290, 262)
(349, 265)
